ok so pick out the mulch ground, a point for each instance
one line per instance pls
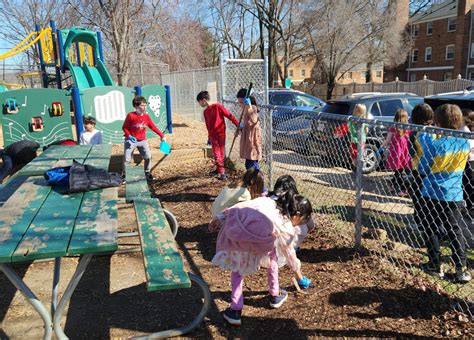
(354, 295)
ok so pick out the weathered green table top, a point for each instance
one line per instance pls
(39, 221)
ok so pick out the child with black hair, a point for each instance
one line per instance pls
(422, 114)
(251, 187)
(251, 132)
(252, 234)
(287, 183)
(214, 116)
(90, 135)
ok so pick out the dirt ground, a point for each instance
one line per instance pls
(353, 294)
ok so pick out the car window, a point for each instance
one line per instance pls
(339, 108)
(389, 107)
(302, 100)
(375, 110)
(412, 102)
(282, 99)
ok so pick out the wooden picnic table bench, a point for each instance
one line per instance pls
(41, 222)
(163, 264)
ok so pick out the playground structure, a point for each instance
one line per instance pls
(75, 83)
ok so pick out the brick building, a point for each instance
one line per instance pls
(443, 42)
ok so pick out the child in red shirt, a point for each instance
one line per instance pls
(214, 117)
(134, 128)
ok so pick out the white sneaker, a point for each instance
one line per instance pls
(463, 276)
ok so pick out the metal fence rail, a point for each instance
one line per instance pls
(422, 88)
(364, 203)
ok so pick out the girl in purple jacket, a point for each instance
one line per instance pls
(252, 234)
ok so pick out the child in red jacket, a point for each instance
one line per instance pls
(214, 117)
(134, 128)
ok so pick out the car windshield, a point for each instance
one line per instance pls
(302, 100)
(339, 108)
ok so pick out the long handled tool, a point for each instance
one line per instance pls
(228, 163)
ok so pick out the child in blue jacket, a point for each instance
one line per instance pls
(442, 165)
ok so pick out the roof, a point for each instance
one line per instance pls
(467, 94)
(445, 9)
(374, 96)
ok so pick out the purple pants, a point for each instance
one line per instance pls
(237, 281)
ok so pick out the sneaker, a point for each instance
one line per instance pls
(463, 276)
(278, 300)
(124, 181)
(233, 316)
(222, 176)
(149, 176)
(213, 173)
(430, 269)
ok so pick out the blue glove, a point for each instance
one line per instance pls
(132, 139)
(241, 126)
(247, 101)
(208, 141)
(304, 282)
(381, 150)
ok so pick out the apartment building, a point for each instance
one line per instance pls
(301, 69)
(443, 42)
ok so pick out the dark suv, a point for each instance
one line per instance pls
(464, 99)
(329, 138)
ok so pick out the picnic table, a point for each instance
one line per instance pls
(41, 222)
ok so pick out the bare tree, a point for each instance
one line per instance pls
(388, 39)
(343, 34)
(19, 18)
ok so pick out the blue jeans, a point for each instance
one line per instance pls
(249, 163)
(7, 165)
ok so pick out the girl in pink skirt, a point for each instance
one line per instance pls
(398, 156)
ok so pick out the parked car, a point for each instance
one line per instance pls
(465, 99)
(317, 136)
(288, 99)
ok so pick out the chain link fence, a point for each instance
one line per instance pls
(222, 82)
(391, 213)
(388, 212)
(422, 88)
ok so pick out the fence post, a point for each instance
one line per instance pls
(265, 80)
(221, 64)
(141, 73)
(194, 101)
(358, 186)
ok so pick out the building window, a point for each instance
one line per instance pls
(429, 28)
(303, 72)
(471, 75)
(472, 50)
(449, 52)
(412, 76)
(350, 75)
(414, 56)
(448, 75)
(378, 74)
(290, 73)
(451, 24)
(303, 59)
(428, 53)
(415, 30)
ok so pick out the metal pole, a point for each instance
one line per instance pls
(56, 276)
(76, 100)
(31, 297)
(358, 187)
(194, 93)
(221, 64)
(265, 80)
(168, 109)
